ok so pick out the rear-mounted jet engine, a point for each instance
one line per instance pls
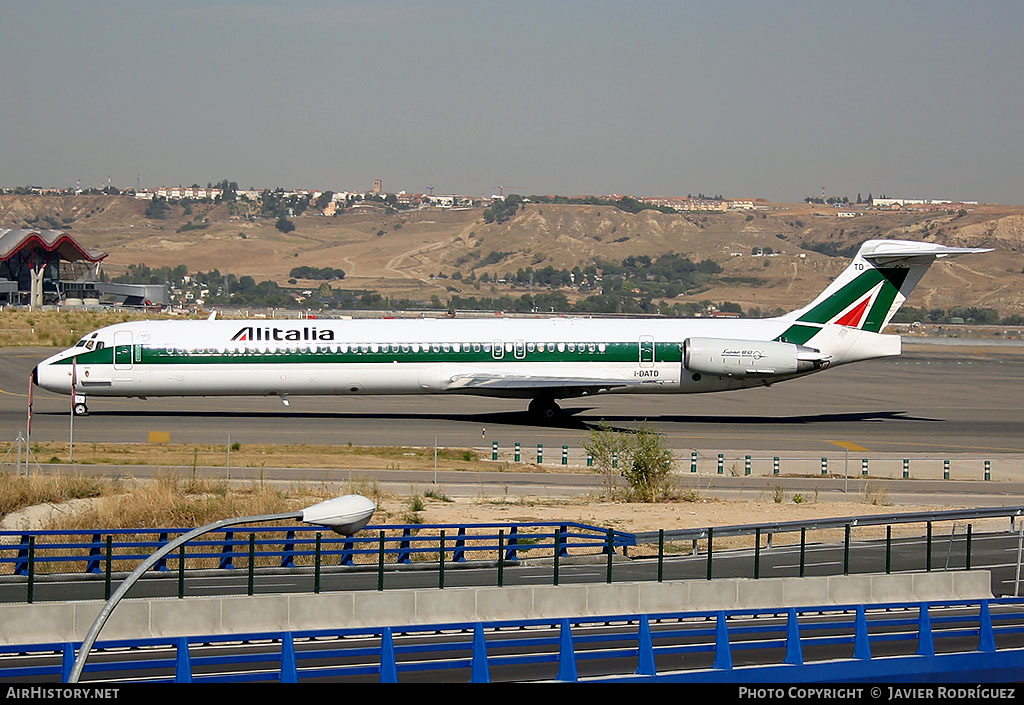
(749, 358)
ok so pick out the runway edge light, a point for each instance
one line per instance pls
(344, 515)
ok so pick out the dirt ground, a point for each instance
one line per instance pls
(632, 517)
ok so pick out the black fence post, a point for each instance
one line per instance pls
(317, 561)
(558, 536)
(106, 577)
(928, 556)
(661, 555)
(803, 549)
(611, 552)
(888, 549)
(967, 565)
(711, 536)
(440, 563)
(181, 571)
(846, 550)
(31, 568)
(757, 553)
(380, 562)
(501, 558)
(252, 563)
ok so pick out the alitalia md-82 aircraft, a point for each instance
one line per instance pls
(543, 360)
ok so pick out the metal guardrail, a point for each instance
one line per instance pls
(700, 645)
(25, 551)
(306, 549)
(1012, 512)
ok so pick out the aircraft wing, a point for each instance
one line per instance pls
(510, 382)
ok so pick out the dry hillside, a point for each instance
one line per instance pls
(397, 254)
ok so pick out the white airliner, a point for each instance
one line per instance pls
(539, 359)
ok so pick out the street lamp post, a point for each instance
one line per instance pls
(345, 515)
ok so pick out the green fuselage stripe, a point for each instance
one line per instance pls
(628, 352)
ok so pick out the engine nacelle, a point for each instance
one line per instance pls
(749, 358)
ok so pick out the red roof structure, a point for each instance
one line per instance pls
(21, 240)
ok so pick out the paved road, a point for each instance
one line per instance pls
(601, 649)
(931, 400)
(990, 551)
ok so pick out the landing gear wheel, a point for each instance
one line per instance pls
(545, 409)
(81, 409)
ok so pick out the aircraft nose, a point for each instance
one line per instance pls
(35, 375)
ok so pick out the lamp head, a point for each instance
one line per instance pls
(344, 515)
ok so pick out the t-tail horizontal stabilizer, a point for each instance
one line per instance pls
(869, 292)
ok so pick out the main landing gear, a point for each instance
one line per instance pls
(545, 409)
(79, 406)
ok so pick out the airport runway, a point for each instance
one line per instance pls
(957, 399)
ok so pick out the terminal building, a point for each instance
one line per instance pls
(50, 267)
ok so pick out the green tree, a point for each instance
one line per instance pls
(649, 467)
(643, 460)
(606, 446)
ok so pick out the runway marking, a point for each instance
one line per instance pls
(850, 446)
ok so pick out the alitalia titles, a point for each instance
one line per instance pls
(248, 333)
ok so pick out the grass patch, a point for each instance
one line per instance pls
(255, 455)
(19, 491)
(61, 328)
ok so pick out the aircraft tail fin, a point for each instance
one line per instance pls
(869, 292)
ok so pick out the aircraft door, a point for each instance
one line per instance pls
(646, 351)
(497, 349)
(123, 350)
(520, 349)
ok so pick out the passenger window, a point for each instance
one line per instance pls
(602, 347)
(529, 347)
(561, 347)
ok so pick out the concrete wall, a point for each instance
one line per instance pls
(56, 622)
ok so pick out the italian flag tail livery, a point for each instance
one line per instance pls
(868, 294)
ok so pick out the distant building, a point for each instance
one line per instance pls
(31, 259)
(683, 205)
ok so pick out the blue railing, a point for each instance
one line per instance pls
(924, 638)
(86, 551)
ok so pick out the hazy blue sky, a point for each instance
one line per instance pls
(771, 99)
